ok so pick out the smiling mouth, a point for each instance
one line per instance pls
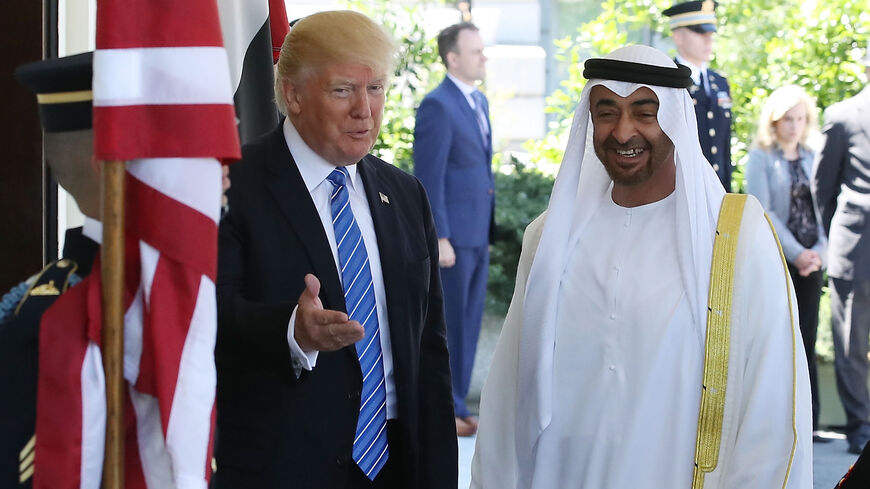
(629, 153)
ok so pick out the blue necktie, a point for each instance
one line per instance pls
(370, 443)
(481, 116)
(705, 85)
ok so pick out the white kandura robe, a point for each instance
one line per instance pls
(628, 364)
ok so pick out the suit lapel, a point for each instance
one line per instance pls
(292, 197)
(384, 205)
(467, 112)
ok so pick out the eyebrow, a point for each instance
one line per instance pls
(612, 103)
(353, 82)
(645, 101)
(606, 101)
(341, 81)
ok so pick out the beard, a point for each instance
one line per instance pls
(656, 153)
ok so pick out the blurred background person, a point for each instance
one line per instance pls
(777, 173)
(841, 185)
(68, 142)
(453, 160)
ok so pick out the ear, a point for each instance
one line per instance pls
(451, 59)
(292, 97)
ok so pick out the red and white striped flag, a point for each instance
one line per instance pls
(163, 103)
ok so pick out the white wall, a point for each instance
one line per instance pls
(76, 34)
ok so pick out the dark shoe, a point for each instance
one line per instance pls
(464, 429)
(856, 447)
(858, 439)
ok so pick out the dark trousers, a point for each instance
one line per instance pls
(809, 291)
(390, 476)
(850, 325)
(464, 286)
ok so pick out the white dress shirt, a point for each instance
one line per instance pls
(314, 170)
(93, 229)
(696, 72)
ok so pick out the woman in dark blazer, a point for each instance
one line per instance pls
(778, 169)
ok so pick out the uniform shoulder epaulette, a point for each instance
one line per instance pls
(40, 290)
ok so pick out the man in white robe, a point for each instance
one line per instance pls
(597, 377)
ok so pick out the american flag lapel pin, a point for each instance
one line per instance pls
(384, 198)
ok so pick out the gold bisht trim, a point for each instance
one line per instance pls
(65, 97)
(793, 353)
(718, 341)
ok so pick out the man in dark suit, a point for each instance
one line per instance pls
(68, 142)
(841, 184)
(331, 353)
(453, 159)
(693, 25)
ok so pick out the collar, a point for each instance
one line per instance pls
(696, 70)
(313, 167)
(93, 229)
(465, 88)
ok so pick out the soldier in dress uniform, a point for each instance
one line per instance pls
(693, 25)
(63, 89)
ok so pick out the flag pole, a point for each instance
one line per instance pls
(112, 270)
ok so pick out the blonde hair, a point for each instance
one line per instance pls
(324, 38)
(777, 104)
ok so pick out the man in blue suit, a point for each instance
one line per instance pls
(452, 158)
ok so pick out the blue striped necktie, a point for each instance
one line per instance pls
(370, 450)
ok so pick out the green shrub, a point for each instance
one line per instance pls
(522, 193)
(419, 69)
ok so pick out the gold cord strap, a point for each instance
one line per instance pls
(717, 346)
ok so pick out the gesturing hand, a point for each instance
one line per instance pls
(322, 329)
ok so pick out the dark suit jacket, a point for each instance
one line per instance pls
(858, 476)
(276, 430)
(455, 166)
(841, 184)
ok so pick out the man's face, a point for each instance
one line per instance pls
(468, 62)
(694, 46)
(628, 139)
(338, 111)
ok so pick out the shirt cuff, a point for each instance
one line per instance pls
(300, 358)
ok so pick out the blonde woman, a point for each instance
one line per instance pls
(777, 173)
